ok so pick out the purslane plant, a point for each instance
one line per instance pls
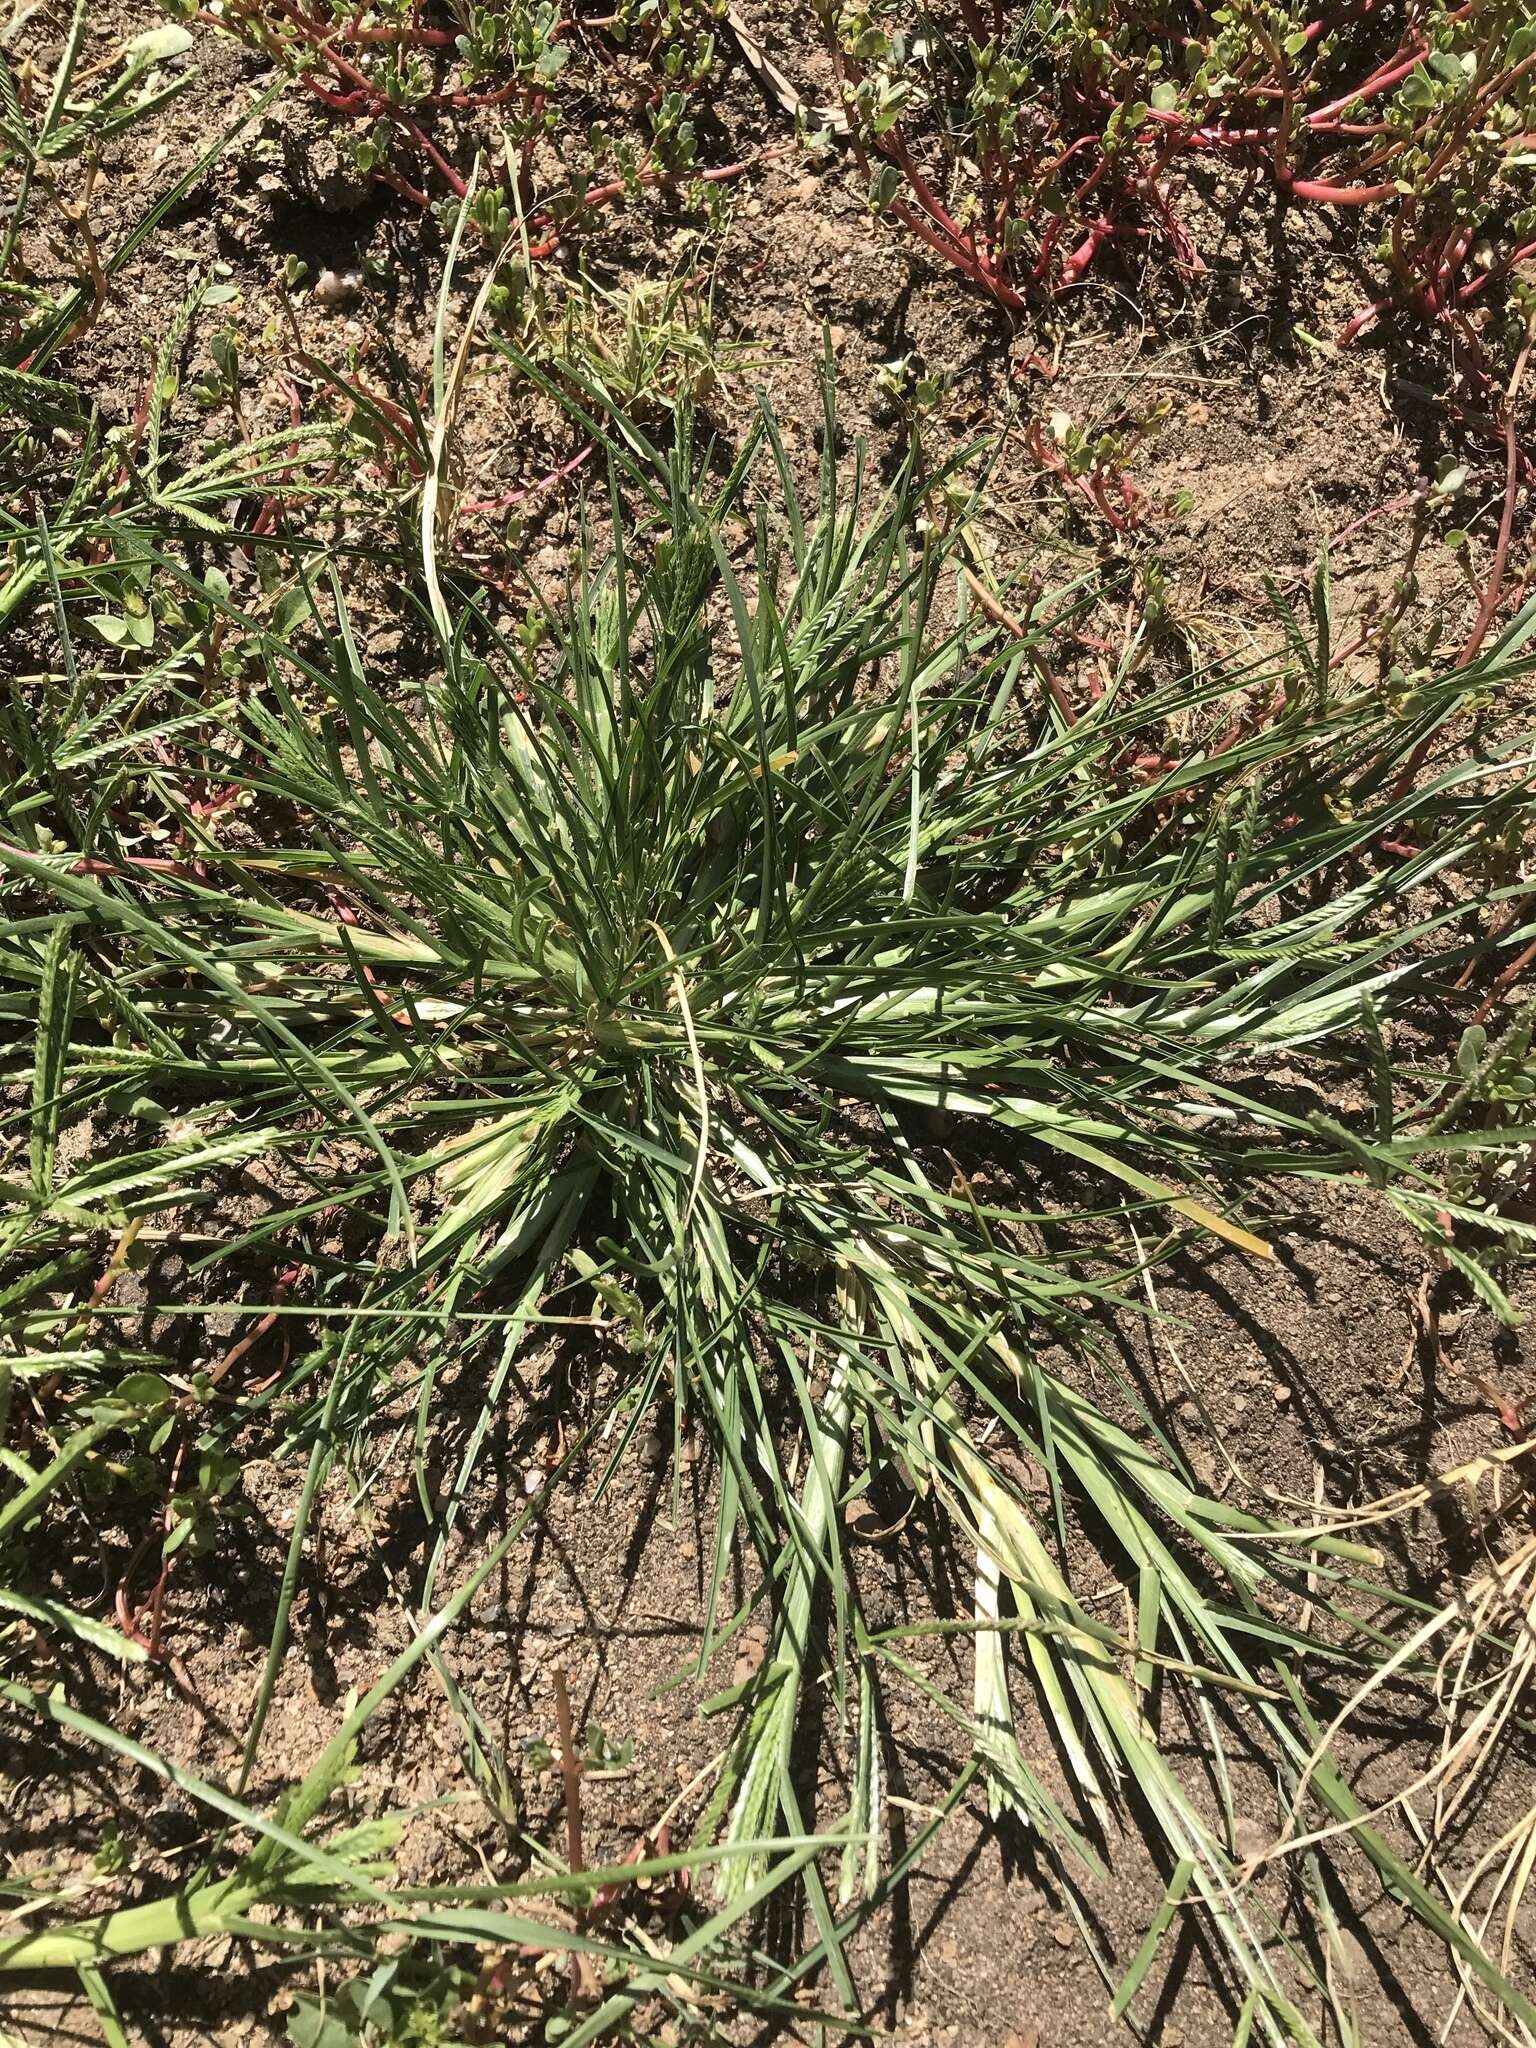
(1028, 145)
(754, 953)
(405, 81)
(1075, 121)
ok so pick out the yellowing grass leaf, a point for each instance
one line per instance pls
(1133, 1177)
(1209, 1219)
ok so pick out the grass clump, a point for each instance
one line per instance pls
(753, 950)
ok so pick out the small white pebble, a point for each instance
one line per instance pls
(336, 287)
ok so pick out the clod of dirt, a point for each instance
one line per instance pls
(1350, 1959)
(1250, 1838)
(749, 1658)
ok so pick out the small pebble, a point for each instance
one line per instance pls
(650, 1449)
(533, 1480)
(1282, 1393)
(337, 287)
(1062, 1935)
(838, 337)
(752, 1650)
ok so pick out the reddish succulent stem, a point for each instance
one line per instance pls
(1390, 74)
(1498, 270)
(1323, 194)
(1077, 264)
(1495, 586)
(434, 38)
(471, 506)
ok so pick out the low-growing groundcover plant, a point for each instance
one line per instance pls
(752, 951)
(1031, 145)
(535, 88)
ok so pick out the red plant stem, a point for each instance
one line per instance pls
(940, 231)
(505, 504)
(338, 102)
(398, 184)
(323, 47)
(1495, 585)
(383, 105)
(359, 102)
(282, 1288)
(1356, 326)
(1101, 231)
(896, 149)
(356, 31)
(533, 113)
(1004, 618)
(1077, 264)
(963, 257)
(1511, 973)
(604, 194)
(1377, 512)
(570, 1773)
(1500, 269)
(129, 1618)
(1390, 74)
(1048, 241)
(398, 419)
(1322, 194)
(1453, 253)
